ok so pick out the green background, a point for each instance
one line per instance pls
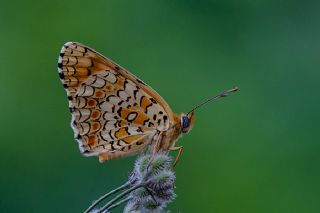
(255, 151)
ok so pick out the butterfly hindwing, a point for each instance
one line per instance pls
(113, 112)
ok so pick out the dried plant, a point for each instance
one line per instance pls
(149, 189)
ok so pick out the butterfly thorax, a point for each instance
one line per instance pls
(170, 136)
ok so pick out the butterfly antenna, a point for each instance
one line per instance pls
(221, 95)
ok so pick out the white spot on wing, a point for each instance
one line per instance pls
(111, 78)
(115, 100)
(132, 116)
(106, 106)
(85, 91)
(123, 95)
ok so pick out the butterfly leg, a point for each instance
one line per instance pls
(179, 149)
(157, 144)
(155, 148)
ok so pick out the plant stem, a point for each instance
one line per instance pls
(111, 202)
(117, 204)
(126, 185)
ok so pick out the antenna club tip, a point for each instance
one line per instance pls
(221, 95)
(234, 89)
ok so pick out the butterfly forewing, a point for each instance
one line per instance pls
(113, 112)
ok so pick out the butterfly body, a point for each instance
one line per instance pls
(114, 113)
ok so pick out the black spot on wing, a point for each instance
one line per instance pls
(165, 118)
(118, 92)
(125, 84)
(153, 101)
(135, 93)
(141, 82)
(95, 80)
(112, 147)
(139, 143)
(86, 152)
(141, 99)
(146, 111)
(119, 111)
(110, 134)
(144, 122)
(110, 96)
(128, 99)
(127, 130)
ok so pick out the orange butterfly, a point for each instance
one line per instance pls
(113, 112)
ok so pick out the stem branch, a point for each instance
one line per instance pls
(126, 185)
(119, 203)
(123, 194)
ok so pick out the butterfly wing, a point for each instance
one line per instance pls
(113, 112)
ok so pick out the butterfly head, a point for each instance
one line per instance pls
(187, 121)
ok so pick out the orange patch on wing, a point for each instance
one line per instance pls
(123, 123)
(103, 157)
(95, 126)
(109, 87)
(140, 119)
(95, 114)
(91, 139)
(131, 138)
(121, 133)
(99, 94)
(120, 82)
(108, 156)
(91, 102)
(99, 65)
(144, 103)
(81, 71)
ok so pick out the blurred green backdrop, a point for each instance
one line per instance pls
(256, 151)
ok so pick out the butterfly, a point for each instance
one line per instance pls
(114, 113)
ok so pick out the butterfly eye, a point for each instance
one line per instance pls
(185, 122)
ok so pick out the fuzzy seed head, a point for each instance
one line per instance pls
(157, 179)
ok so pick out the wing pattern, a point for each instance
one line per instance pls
(113, 113)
